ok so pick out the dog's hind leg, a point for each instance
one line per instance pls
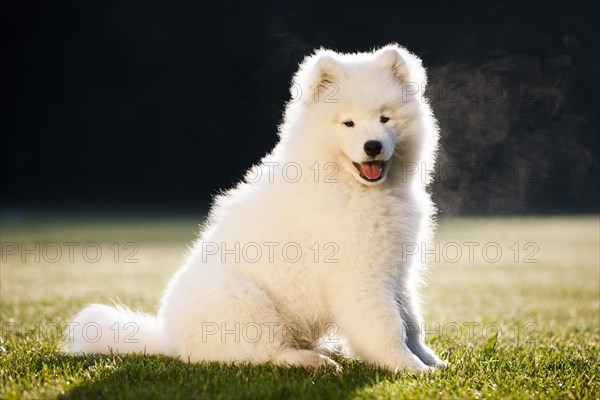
(223, 316)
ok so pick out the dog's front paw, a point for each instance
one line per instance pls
(433, 361)
(426, 355)
(308, 359)
(409, 363)
(328, 364)
(439, 363)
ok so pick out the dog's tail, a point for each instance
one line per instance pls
(101, 329)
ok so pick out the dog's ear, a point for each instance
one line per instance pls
(324, 74)
(404, 65)
(325, 70)
(316, 76)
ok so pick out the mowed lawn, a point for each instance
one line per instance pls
(511, 303)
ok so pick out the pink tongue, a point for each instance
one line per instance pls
(371, 170)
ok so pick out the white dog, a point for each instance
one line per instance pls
(314, 241)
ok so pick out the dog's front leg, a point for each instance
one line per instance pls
(367, 314)
(409, 306)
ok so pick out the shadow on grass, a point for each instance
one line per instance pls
(138, 376)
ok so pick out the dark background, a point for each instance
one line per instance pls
(158, 104)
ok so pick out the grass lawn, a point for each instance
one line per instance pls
(520, 324)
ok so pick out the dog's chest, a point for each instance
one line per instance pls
(369, 230)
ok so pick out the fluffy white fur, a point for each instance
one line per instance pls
(219, 308)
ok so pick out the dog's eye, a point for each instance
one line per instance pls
(383, 119)
(349, 124)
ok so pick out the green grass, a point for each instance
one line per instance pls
(509, 329)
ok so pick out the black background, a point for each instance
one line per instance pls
(158, 104)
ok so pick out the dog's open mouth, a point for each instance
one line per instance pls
(371, 171)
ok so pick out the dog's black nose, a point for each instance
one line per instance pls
(373, 148)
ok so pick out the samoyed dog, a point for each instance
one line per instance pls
(315, 244)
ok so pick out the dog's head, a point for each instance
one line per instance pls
(359, 108)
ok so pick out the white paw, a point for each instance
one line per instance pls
(308, 359)
(426, 355)
(441, 363)
(413, 367)
(328, 364)
(409, 363)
